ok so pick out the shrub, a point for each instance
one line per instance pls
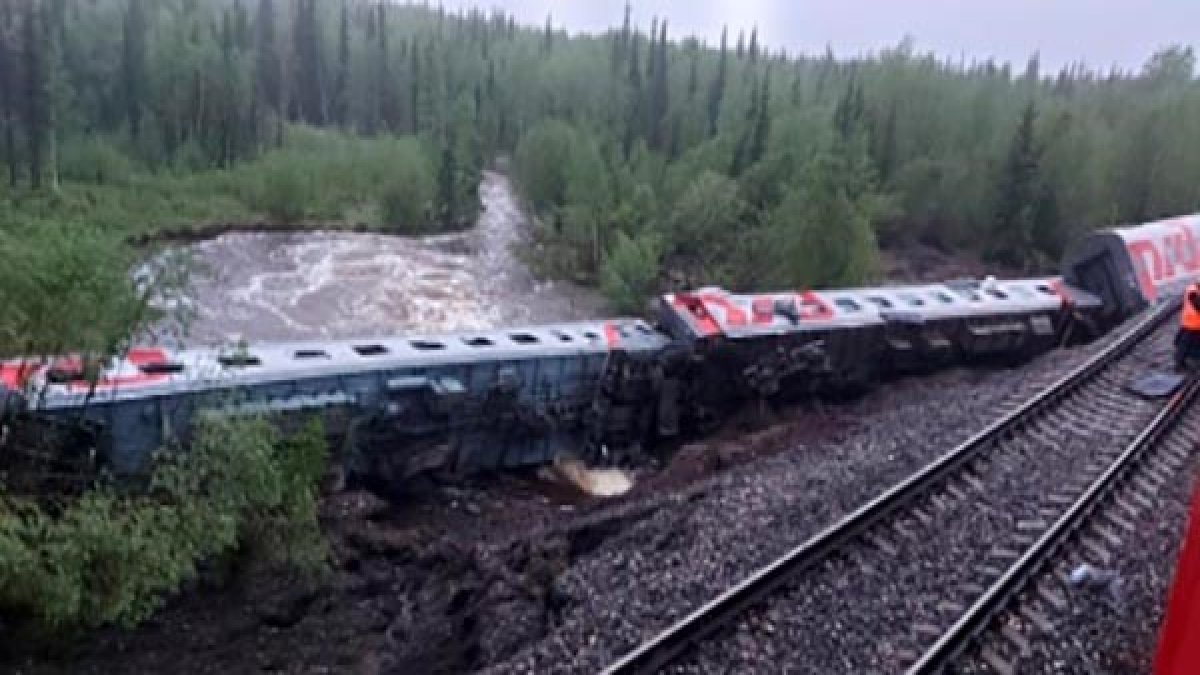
(407, 193)
(629, 274)
(284, 191)
(109, 557)
(94, 160)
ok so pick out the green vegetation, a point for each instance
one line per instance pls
(111, 557)
(644, 159)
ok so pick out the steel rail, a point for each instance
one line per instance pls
(673, 642)
(996, 598)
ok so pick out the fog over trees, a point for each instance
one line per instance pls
(640, 150)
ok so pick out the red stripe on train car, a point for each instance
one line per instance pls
(1060, 290)
(611, 336)
(12, 375)
(690, 305)
(734, 316)
(141, 356)
(812, 307)
(1148, 273)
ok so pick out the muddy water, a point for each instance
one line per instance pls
(312, 285)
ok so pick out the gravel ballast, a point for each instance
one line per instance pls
(668, 563)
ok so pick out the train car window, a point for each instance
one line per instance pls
(882, 302)
(945, 297)
(999, 295)
(523, 338)
(562, 337)
(1045, 289)
(847, 304)
(161, 368)
(478, 342)
(370, 350)
(913, 300)
(239, 360)
(426, 345)
(591, 335)
(310, 354)
(644, 329)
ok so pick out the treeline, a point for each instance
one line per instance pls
(648, 157)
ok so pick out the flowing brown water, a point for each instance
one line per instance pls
(329, 284)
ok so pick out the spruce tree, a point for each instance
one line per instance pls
(1017, 195)
(34, 90)
(341, 88)
(133, 64)
(716, 92)
(8, 91)
(268, 69)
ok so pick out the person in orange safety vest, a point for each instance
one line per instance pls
(1187, 342)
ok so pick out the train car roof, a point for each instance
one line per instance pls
(712, 311)
(145, 372)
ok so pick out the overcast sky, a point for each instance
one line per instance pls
(1101, 33)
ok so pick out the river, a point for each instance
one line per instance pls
(329, 284)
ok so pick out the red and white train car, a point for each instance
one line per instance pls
(1132, 267)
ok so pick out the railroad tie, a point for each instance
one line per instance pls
(1032, 525)
(1119, 520)
(1018, 639)
(997, 662)
(1039, 620)
(928, 630)
(1004, 553)
(1147, 484)
(1053, 597)
(1108, 535)
(881, 544)
(1093, 547)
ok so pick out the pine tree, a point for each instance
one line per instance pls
(753, 51)
(414, 88)
(229, 117)
(447, 189)
(133, 64)
(636, 105)
(1017, 195)
(762, 122)
(383, 81)
(659, 102)
(341, 88)
(885, 147)
(35, 90)
(716, 92)
(268, 71)
(309, 103)
(8, 92)
(693, 82)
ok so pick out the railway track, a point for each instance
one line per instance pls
(994, 635)
(912, 578)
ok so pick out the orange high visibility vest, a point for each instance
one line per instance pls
(1191, 316)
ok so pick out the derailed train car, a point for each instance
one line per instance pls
(605, 390)
(465, 401)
